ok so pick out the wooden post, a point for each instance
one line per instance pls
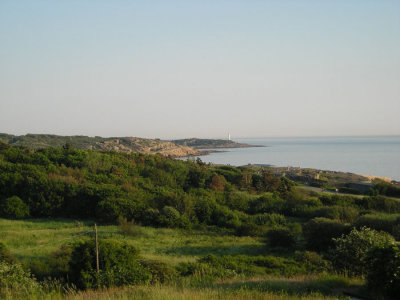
(97, 248)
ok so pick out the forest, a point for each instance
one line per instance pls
(268, 226)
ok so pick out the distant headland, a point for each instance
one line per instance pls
(175, 148)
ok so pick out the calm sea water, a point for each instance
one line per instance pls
(372, 155)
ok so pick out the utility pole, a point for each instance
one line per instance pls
(97, 248)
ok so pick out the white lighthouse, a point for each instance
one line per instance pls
(229, 136)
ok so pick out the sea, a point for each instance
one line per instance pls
(364, 155)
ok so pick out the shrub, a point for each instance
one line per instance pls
(280, 237)
(14, 208)
(118, 265)
(160, 272)
(380, 203)
(224, 217)
(217, 182)
(110, 209)
(56, 265)
(377, 222)
(15, 279)
(128, 227)
(203, 209)
(169, 217)
(383, 271)
(312, 261)
(249, 229)
(267, 203)
(319, 232)
(350, 251)
(5, 254)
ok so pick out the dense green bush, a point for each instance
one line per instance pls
(249, 229)
(319, 233)
(377, 222)
(111, 209)
(169, 217)
(280, 237)
(16, 280)
(350, 251)
(204, 209)
(383, 271)
(5, 254)
(380, 203)
(56, 265)
(340, 200)
(119, 265)
(312, 261)
(267, 203)
(14, 208)
(385, 188)
(160, 272)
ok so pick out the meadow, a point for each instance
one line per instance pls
(35, 239)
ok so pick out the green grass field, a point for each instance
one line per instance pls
(29, 239)
(35, 239)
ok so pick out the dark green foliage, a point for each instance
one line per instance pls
(312, 261)
(319, 233)
(16, 281)
(268, 203)
(160, 272)
(280, 237)
(337, 200)
(69, 182)
(388, 189)
(383, 271)
(4, 146)
(119, 265)
(377, 222)
(56, 265)
(14, 208)
(380, 203)
(249, 229)
(5, 254)
(285, 187)
(224, 217)
(109, 210)
(350, 251)
(169, 217)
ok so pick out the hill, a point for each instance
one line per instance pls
(118, 144)
(211, 143)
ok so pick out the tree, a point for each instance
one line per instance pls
(319, 232)
(119, 265)
(217, 183)
(14, 208)
(351, 250)
(383, 271)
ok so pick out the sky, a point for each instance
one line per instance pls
(175, 69)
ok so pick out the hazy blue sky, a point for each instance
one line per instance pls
(200, 68)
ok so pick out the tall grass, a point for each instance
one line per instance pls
(36, 239)
(257, 288)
